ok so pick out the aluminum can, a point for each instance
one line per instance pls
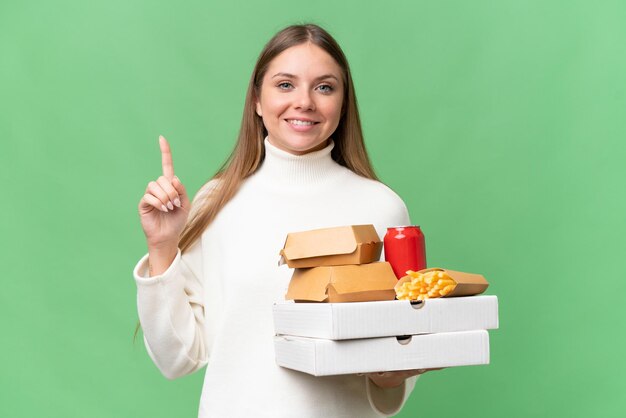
(405, 249)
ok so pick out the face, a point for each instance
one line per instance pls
(301, 98)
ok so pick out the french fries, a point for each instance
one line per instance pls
(432, 284)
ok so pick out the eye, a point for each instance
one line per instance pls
(285, 85)
(325, 88)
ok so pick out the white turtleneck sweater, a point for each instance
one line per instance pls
(213, 306)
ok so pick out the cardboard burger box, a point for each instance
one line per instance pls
(341, 321)
(350, 283)
(354, 244)
(321, 357)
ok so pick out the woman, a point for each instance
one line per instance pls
(206, 287)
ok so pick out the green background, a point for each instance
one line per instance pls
(501, 124)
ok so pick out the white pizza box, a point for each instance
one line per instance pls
(322, 357)
(340, 321)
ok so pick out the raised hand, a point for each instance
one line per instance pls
(163, 211)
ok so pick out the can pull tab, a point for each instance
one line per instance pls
(417, 304)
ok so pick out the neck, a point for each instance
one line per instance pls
(285, 169)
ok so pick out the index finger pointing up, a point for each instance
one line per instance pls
(166, 158)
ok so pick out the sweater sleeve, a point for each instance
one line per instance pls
(388, 402)
(171, 310)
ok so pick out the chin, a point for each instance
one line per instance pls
(301, 147)
(309, 147)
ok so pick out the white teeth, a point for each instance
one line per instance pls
(300, 122)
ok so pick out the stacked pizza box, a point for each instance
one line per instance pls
(340, 315)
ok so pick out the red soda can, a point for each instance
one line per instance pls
(405, 249)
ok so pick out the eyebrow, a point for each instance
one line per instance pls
(287, 75)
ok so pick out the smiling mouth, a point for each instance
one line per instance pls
(301, 122)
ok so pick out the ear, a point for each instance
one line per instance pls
(258, 109)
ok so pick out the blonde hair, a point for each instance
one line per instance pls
(249, 151)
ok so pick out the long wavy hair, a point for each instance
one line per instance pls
(249, 152)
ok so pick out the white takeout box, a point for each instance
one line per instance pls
(322, 357)
(340, 321)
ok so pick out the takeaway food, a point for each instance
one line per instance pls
(405, 249)
(349, 283)
(432, 284)
(438, 282)
(352, 244)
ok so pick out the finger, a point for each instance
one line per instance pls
(152, 201)
(414, 372)
(157, 191)
(182, 192)
(417, 372)
(375, 375)
(166, 158)
(400, 373)
(172, 194)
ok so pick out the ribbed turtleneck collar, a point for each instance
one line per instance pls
(285, 169)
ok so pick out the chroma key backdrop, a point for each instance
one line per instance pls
(501, 124)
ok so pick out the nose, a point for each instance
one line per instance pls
(304, 100)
